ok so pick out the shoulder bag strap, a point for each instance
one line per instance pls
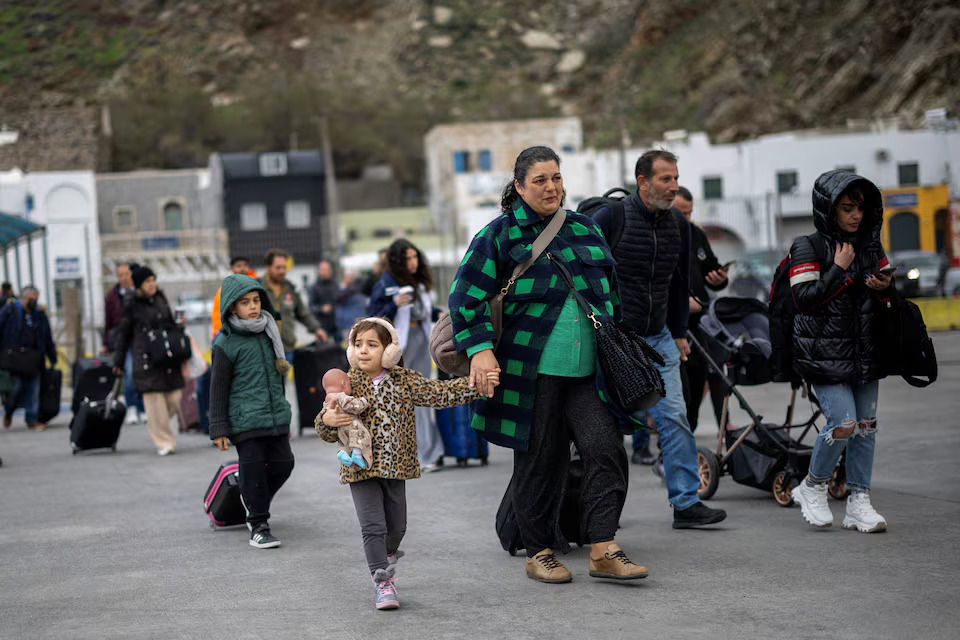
(539, 245)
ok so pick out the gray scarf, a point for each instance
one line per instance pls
(264, 323)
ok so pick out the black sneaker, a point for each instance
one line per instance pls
(697, 515)
(262, 539)
(643, 456)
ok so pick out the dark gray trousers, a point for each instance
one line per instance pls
(565, 409)
(382, 510)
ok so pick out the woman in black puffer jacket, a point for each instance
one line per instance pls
(159, 385)
(839, 290)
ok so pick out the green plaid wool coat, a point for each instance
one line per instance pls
(530, 309)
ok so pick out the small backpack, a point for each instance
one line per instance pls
(591, 206)
(781, 309)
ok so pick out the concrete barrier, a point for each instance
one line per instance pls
(939, 313)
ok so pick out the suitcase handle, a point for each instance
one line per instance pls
(111, 397)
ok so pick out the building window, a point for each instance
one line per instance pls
(713, 188)
(253, 216)
(173, 216)
(297, 214)
(461, 161)
(485, 160)
(124, 218)
(909, 173)
(848, 168)
(273, 164)
(786, 181)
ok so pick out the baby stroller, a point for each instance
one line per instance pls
(734, 340)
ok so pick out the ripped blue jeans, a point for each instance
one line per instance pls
(851, 413)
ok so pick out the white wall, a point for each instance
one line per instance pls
(66, 204)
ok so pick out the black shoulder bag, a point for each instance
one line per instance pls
(626, 359)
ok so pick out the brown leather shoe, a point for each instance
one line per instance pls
(37, 426)
(616, 565)
(546, 568)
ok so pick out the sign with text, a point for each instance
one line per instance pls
(897, 200)
(68, 265)
(160, 243)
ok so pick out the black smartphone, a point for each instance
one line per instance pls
(727, 265)
(888, 270)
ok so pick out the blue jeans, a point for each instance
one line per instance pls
(677, 444)
(130, 394)
(851, 413)
(641, 438)
(26, 391)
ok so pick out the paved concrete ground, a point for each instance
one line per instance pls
(108, 545)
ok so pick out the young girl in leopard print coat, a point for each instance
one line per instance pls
(392, 391)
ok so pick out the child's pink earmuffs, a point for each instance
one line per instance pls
(391, 352)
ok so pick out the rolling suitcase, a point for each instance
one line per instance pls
(96, 424)
(51, 381)
(309, 365)
(189, 413)
(91, 383)
(82, 365)
(222, 501)
(460, 441)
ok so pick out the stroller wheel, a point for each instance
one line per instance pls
(709, 471)
(837, 487)
(783, 489)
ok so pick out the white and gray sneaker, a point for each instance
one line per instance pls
(261, 538)
(813, 503)
(861, 515)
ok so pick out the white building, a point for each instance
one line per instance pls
(748, 195)
(68, 256)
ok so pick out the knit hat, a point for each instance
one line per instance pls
(140, 274)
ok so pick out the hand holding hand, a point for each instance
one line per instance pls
(844, 255)
(222, 443)
(481, 365)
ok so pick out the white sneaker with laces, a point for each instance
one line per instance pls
(861, 515)
(132, 416)
(813, 503)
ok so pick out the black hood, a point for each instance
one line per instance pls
(826, 192)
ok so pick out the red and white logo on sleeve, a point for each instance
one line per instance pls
(806, 272)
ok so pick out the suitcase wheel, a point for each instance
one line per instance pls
(461, 462)
(484, 462)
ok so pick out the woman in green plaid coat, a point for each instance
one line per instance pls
(548, 393)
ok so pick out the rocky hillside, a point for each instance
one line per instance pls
(187, 76)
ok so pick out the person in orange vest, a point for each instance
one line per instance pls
(239, 265)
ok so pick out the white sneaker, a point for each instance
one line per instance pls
(132, 416)
(164, 452)
(861, 515)
(813, 503)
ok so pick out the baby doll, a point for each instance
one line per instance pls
(354, 440)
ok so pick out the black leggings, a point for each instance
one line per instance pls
(566, 408)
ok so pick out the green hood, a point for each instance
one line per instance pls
(237, 285)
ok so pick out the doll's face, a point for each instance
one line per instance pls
(335, 381)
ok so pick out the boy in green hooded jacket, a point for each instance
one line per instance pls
(248, 406)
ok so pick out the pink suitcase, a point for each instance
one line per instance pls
(222, 500)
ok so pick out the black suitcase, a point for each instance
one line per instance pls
(570, 513)
(51, 381)
(96, 424)
(91, 383)
(309, 365)
(222, 502)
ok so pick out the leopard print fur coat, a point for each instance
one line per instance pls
(390, 419)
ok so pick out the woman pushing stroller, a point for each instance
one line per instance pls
(839, 279)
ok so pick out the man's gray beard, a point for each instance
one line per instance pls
(661, 205)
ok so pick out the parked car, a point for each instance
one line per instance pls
(919, 273)
(951, 282)
(752, 274)
(195, 307)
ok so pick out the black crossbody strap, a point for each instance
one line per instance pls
(587, 309)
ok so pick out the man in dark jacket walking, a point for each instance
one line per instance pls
(705, 273)
(113, 309)
(285, 299)
(653, 264)
(24, 329)
(323, 298)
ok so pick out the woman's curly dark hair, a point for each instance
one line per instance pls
(397, 265)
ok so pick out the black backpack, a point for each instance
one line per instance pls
(910, 352)
(591, 206)
(781, 310)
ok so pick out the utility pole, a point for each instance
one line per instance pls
(331, 237)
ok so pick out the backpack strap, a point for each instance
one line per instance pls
(618, 214)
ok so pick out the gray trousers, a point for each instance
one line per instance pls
(382, 510)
